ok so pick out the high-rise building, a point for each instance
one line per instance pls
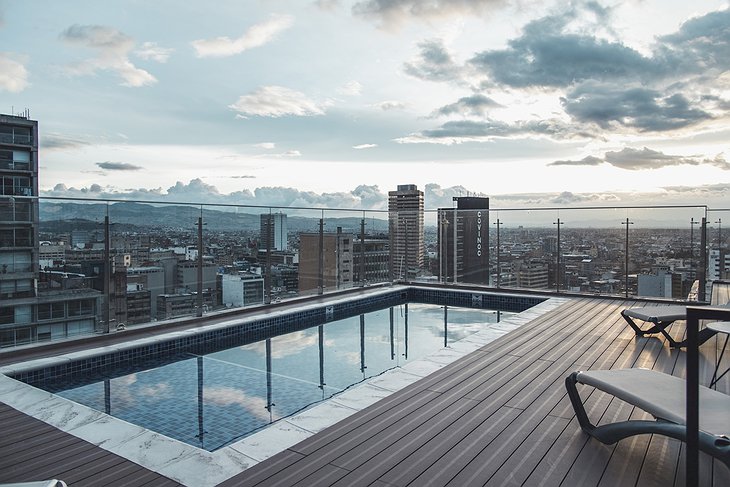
(31, 311)
(463, 241)
(405, 224)
(334, 257)
(273, 232)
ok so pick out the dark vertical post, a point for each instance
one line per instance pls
(200, 264)
(455, 267)
(362, 344)
(446, 326)
(270, 235)
(320, 330)
(269, 393)
(499, 270)
(320, 276)
(107, 273)
(558, 271)
(442, 245)
(692, 264)
(362, 252)
(692, 398)
(719, 234)
(392, 336)
(406, 249)
(626, 252)
(107, 396)
(703, 260)
(201, 422)
(405, 354)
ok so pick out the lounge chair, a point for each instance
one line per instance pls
(661, 317)
(662, 396)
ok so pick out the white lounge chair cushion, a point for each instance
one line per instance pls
(662, 396)
(658, 313)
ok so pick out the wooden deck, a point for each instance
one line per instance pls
(500, 416)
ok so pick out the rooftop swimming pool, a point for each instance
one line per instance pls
(210, 400)
(249, 364)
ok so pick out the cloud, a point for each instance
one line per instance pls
(13, 74)
(547, 56)
(638, 159)
(112, 48)
(351, 88)
(435, 196)
(476, 105)
(245, 176)
(327, 5)
(256, 36)
(700, 45)
(118, 166)
(53, 141)
(282, 155)
(459, 131)
(391, 14)
(266, 145)
(366, 197)
(198, 191)
(276, 101)
(603, 86)
(388, 105)
(644, 109)
(434, 63)
(569, 198)
(151, 51)
(364, 146)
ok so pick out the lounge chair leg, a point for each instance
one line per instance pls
(577, 402)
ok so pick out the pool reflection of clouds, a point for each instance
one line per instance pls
(235, 380)
(227, 396)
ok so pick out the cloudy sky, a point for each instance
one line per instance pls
(336, 102)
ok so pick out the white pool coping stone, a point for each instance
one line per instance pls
(195, 467)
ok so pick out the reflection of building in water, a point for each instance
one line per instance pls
(463, 241)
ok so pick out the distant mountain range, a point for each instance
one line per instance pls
(181, 217)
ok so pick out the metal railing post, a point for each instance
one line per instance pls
(702, 295)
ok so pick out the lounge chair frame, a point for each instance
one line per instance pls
(660, 322)
(714, 445)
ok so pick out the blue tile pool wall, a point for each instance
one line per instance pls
(260, 329)
(468, 299)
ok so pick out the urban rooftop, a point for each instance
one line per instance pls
(80, 274)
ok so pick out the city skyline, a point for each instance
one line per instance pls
(335, 103)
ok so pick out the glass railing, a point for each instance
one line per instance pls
(103, 266)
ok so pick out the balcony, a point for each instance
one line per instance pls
(17, 139)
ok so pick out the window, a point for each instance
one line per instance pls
(80, 308)
(44, 311)
(7, 316)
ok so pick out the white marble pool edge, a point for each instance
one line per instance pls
(195, 467)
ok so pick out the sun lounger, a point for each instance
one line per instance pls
(661, 317)
(662, 396)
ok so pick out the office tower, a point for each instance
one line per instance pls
(336, 258)
(405, 223)
(463, 241)
(273, 232)
(31, 309)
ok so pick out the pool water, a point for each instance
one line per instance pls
(213, 400)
